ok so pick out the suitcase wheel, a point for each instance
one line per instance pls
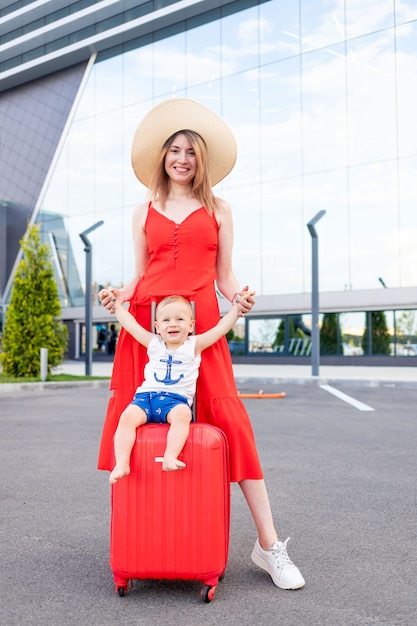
(121, 586)
(207, 593)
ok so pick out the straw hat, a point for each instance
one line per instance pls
(172, 116)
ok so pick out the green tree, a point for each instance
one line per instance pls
(280, 332)
(293, 332)
(32, 320)
(329, 334)
(380, 337)
(407, 325)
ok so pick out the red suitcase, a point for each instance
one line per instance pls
(172, 525)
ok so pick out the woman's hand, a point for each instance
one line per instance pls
(245, 300)
(124, 294)
(108, 297)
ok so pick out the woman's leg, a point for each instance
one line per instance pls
(269, 553)
(124, 438)
(257, 498)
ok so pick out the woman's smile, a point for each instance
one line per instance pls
(180, 160)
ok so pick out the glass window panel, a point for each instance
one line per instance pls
(109, 249)
(330, 339)
(352, 326)
(71, 191)
(377, 339)
(324, 110)
(85, 105)
(81, 167)
(263, 335)
(209, 94)
(299, 335)
(280, 120)
(56, 196)
(364, 18)
(322, 24)
(374, 244)
(110, 160)
(389, 318)
(307, 322)
(406, 38)
(169, 65)
(203, 55)
(137, 75)
(405, 11)
(282, 233)
(372, 99)
(406, 328)
(328, 191)
(241, 111)
(407, 221)
(279, 28)
(108, 85)
(247, 247)
(240, 42)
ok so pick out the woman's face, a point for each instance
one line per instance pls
(180, 160)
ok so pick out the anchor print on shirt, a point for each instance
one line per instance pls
(168, 380)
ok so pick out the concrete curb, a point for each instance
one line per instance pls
(50, 385)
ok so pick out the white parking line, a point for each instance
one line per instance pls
(343, 396)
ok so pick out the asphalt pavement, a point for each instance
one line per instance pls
(341, 480)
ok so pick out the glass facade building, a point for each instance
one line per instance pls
(321, 98)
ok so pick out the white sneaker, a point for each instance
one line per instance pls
(278, 565)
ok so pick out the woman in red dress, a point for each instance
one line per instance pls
(183, 242)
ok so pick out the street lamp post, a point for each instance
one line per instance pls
(88, 305)
(315, 331)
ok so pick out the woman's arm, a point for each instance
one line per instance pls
(227, 282)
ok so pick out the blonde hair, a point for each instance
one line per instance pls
(160, 181)
(171, 300)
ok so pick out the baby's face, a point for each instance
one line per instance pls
(174, 322)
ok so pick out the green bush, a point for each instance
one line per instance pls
(32, 319)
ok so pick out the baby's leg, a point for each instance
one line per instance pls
(179, 419)
(124, 438)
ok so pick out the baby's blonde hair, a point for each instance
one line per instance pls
(171, 300)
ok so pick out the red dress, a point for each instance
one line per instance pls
(182, 260)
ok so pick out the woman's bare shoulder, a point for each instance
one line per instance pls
(140, 213)
(223, 210)
(141, 209)
(222, 204)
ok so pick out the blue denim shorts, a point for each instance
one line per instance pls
(157, 405)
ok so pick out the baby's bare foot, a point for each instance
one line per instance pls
(118, 472)
(171, 465)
